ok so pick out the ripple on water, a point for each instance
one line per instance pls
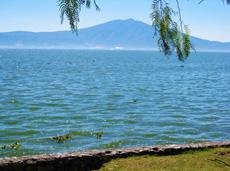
(179, 116)
(212, 118)
(115, 144)
(174, 124)
(79, 117)
(114, 120)
(51, 104)
(130, 122)
(150, 135)
(63, 91)
(11, 122)
(82, 133)
(34, 108)
(30, 132)
(170, 132)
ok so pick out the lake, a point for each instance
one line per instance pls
(136, 98)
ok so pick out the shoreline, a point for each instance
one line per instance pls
(89, 160)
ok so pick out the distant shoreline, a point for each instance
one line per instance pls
(150, 50)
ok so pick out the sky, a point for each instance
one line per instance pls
(209, 20)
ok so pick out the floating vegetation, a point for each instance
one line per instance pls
(3, 147)
(134, 100)
(15, 145)
(99, 135)
(33, 108)
(62, 138)
(150, 135)
(14, 101)
(116, 144)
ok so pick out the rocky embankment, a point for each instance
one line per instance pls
(91, 160)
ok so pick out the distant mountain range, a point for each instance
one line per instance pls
(117, 34)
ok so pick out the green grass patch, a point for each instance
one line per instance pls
(206, 159)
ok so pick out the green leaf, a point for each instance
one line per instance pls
(170, 37)
(71, 9)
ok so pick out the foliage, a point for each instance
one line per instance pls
(62, 138)
(15, 145)
(72, 8)
(227, 1)
(99, 135)
(172, 35)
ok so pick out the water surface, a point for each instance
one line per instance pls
(137, 98)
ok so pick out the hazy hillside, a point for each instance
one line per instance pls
(126, 34)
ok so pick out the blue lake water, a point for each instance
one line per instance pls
(137, 98)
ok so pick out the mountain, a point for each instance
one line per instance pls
(120, 34)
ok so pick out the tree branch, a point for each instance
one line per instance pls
(200, 1)
(178, 6)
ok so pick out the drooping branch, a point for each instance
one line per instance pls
(172, 36)
(227, 1)
(71, 9)
(200, 1)
(181, 23)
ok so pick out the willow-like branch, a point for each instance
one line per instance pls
(200, 1)
(227, 2)
(71, 9)
(172, 36)
(181, 23)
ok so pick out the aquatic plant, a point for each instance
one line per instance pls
(3, 146)
(99, 135)
(62, 138)
(15, 145)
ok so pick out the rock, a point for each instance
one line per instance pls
(91, 160)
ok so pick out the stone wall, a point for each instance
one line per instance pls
(92, 160)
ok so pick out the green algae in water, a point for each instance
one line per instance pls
(15, 145)
(62, 138)
(168, 99)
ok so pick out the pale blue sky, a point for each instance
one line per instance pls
(209, 20)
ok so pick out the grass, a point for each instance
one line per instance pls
(217, 159)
